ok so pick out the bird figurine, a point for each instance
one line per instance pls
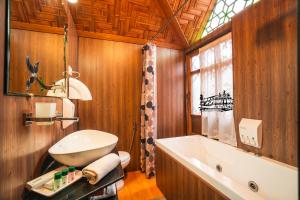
(34, 76)
(33, 72)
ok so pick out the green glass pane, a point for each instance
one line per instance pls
(222, 21)
(221, 15)
(219, 7)
(230, 2)
(230, 9)
(223, 12)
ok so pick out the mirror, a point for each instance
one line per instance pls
(35, 44)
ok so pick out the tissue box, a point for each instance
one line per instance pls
(45, 110)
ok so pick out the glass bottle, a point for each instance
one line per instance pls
(57, 181)
(64, 175)
(71, 173)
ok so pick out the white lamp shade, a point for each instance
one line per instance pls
(78, 90)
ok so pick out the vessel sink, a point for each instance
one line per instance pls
(83, 147)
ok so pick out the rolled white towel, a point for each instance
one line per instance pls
(95, 171)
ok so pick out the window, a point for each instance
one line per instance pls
(223, 12)
(212, 58)
(195, 84)
(210, 74)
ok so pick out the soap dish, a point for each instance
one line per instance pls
(49, 193)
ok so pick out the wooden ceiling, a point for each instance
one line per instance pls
(139, 19)
(40, 12)
(193, 17)
(134, 21)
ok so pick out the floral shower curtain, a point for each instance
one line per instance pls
(216, 76)
(148, 110)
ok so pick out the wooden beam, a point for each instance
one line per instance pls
(168, 45)
(37, 27)
(94, 35)
(167, 10)
(119, 38)
(111, 37)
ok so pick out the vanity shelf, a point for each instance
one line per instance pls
(80, 189)
(29, 119)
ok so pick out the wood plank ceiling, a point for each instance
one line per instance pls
(140, 19)
(134, 21)
(193, 17)
(40, 12)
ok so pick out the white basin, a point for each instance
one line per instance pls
(83, 147)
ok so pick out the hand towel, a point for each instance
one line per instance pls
(95, 171)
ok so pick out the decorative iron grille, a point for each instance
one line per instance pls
(221, 102)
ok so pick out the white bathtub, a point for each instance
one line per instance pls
(275, 180)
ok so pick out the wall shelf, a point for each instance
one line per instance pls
(28, 119)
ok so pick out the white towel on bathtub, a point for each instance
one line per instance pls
(95, 171)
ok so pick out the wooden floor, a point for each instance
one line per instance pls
(138, 187)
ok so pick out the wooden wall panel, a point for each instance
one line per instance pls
(21, 148)
(265, 75)
(178, 183)
(35, 45)
(170, 93)
(196, 124)
(112, 71)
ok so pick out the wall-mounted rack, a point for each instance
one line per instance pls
(29, 119)
(220, 102)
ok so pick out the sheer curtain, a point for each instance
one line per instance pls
(216, 76)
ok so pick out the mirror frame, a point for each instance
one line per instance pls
(7, 52)
(7, 58)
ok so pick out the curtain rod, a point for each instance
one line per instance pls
(166, 24)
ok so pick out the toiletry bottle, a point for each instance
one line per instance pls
(57, 181)
(71, 173)
(64, 175)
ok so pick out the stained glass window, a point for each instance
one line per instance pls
(223, 11)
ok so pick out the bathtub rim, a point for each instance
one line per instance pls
(218, 184)
(210, 181)
(253, 155)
